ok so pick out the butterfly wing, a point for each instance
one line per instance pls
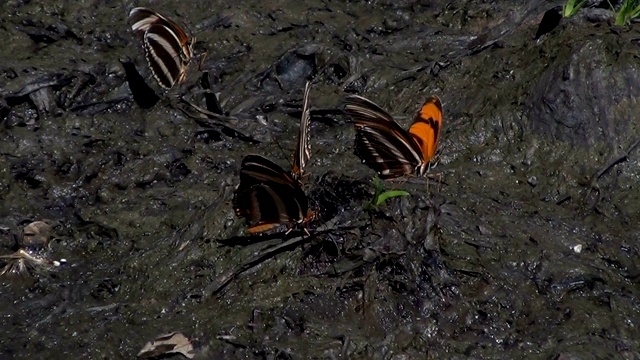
(425, 129)
(267, 195)
(268, 207)
(167, 47)
(143, 18)
(303, 148)
(380, 142)
(256, 169)
(162, 56)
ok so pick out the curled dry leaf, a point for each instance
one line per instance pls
(36, 234)
(170, 343)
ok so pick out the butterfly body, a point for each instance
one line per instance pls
(386, 147)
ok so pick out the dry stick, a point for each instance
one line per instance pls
(206, 113)
(225, 279)
(617, 160)
(207, 118)
(594, 181)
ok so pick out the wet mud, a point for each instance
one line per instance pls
(522, 241)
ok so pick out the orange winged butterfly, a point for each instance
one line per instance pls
(268, 195)
(167, 47)
(386, 147)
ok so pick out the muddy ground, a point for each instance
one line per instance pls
(528, 246)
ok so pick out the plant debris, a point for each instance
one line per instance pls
(171, 343)
(24, 263)
(36, 234)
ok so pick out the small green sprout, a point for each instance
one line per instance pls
(629, 10)
(570, 8)
(380, 195)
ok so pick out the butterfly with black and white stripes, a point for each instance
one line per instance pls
(167, 47)
(268, 195)
(386, 147)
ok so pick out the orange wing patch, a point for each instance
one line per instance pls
(261, 227)
(426, 126)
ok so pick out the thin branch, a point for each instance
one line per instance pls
(225, 279)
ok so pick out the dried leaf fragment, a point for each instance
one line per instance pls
(170, 343)
(36, 234)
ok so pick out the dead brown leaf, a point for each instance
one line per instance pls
(36, 234)
(170, 343)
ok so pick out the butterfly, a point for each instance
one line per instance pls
(386, 147)
(167, 47)
(268, 195)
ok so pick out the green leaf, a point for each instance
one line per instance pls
(570, 8)
(380, 195)
(390, 194)
(378, 185)
(628, 11)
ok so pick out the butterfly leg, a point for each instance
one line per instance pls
(202, 57)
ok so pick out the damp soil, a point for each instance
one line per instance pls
(523, 240)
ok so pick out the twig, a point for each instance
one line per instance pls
(207, 118)
(616, 161)
(206, 114)
(225, 279)
(594, 186)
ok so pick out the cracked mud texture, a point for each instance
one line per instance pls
(538, 159)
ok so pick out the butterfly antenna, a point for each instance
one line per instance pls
(190, 32)
(284, 154)
(314, 153)
(439, 150)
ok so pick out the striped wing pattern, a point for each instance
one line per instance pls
(167, 47)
